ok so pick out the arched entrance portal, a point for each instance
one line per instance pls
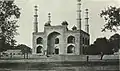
(51, 42)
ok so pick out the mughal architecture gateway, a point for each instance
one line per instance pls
(59, 40)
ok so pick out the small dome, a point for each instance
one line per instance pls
(74, 28)
(47, 24)
(64, 23)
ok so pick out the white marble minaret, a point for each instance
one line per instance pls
(36, 20)
(79, 14)
(86, 21)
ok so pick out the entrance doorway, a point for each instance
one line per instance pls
(51, 43)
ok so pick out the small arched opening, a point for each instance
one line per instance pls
(57, 41)
(71, 39)
(39, 49)
(83, 40)
(70, 49)
(39, 40)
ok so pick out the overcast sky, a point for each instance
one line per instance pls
(61, 10)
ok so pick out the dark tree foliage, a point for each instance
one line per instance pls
(111, 15)
(115, 42)
(105, 46)
(91, 50)
(101, 45)
(9, 14)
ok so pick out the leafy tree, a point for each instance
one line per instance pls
(91, 50)
(104, 46)
(115, 42)
(101, 45)
(111, 16)
(9, 14)
(24, 48)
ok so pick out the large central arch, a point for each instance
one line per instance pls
(51, 42)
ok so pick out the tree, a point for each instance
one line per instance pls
(101, 46)
(91, 50)
(111, 16)
(115, 42)
(9, 14)
(25, 49)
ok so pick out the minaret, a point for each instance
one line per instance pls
(86, 21)
(79, 15)
(79, 24)
(36, 20)
(49, 18)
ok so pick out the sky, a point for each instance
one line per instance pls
(61, 10)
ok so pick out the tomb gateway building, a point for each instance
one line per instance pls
(59, 40)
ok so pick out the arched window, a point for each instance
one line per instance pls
(39, 40)
(83, 40)
(39, 49)
(71, 39)
(88, 42)
(57, 41)
(70, 49)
